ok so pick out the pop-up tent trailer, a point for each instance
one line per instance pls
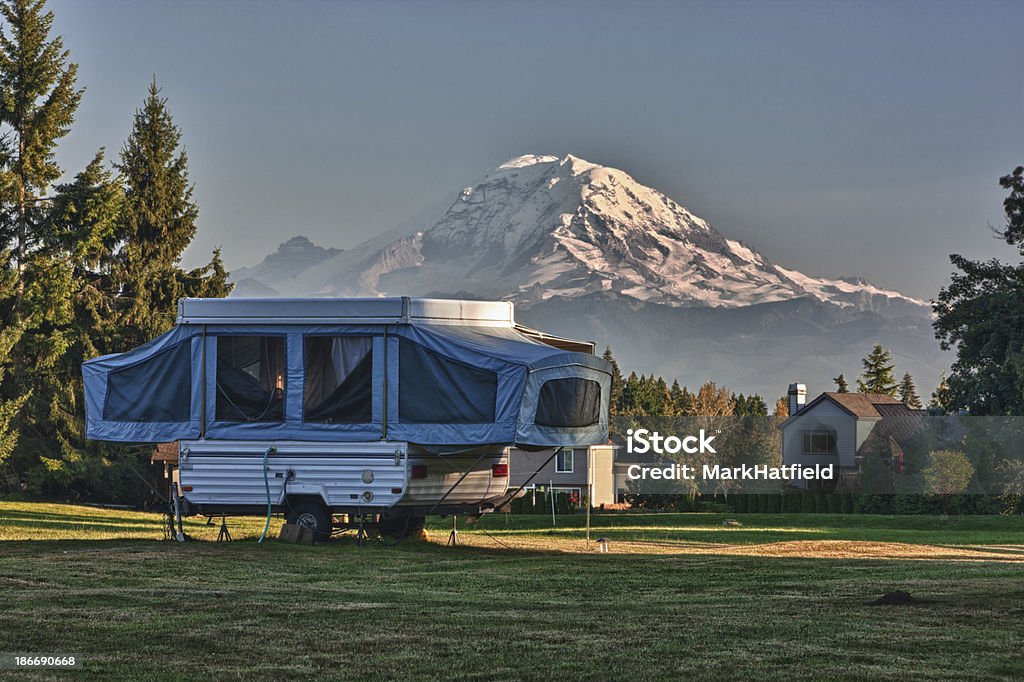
(356, 404)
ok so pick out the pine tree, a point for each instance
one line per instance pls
(628, 402)
(663, 399)
(679, 398)
(908, 392)
(841, 384)
(38, 100)
(616, 388)
(82, 225)
(878, 373)
(749, 406)
(9, 409)
(160, 222)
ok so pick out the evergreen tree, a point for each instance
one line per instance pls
(663, 399)
(981, 315)
(10, 408)
(679, 398)
(908, 392)
(38, 99)
(616, 387)
(82, 226)
(841, 384)
(160, 222)
(878, 373)
(628, 405)
(749, 406)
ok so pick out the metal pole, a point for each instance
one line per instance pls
(590, 490)
(551, 492)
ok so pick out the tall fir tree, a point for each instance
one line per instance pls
(159, 223)
(628, 404)
(662, 399)
(749, 406)
(842, 386)
(616, 387)
(908, 392)
(680, 399)
(9, 408)
(38, 100)
(878, 373)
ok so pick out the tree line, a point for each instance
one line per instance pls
(650, 396)
(89, 265)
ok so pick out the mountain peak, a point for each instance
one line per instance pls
(539, 227)
(527, 160)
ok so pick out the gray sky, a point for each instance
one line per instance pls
(840, 138)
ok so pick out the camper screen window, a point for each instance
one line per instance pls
(250, 378)
(154, 390)
(820, 442)
(339, 379)
(435, 390)
(569, 403)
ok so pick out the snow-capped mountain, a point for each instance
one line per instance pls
(540, 227)
(586, 251)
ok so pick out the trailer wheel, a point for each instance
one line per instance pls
(312, 515)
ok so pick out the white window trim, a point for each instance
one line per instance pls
(572, 462)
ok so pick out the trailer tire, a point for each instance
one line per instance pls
(314, 515)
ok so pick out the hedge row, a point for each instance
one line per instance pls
(836, 503)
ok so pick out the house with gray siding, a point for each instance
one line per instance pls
(571, 471)
(834, 428)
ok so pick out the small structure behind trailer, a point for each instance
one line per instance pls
(382, 410)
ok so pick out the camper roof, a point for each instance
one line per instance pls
(402, 310)
(396, 310)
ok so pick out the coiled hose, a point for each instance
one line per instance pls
(266, 484)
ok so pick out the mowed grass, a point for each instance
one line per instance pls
(101, 583)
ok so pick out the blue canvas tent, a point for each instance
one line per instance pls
(438, 373)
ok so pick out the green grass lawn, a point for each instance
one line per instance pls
(101, 583)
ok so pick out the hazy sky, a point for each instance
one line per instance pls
(848, 138)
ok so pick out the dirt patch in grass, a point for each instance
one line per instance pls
(796, 549)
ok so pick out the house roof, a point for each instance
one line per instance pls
(165, 452)
(868, 405)
(860, 405)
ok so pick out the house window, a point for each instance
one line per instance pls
(339, 379)
(564, 462)
(250, 378)
(819, 442)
